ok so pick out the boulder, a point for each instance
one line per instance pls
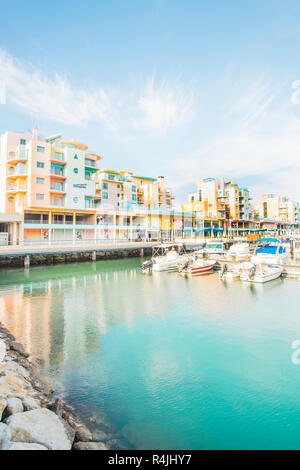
(4, 435)
(83, 434)
(2, 350)
(30, 404)
(23, 446)
(19, 348)
(90, 446)
(3, 404)
(40, 426)
(14, 405)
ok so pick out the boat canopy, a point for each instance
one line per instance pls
(272, 240)
(270, 250)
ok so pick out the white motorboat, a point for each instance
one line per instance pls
(196, 266)
(269, 251)
(230, 273)
(213, 248)
(165, 258)
(239, 251)
(258, 273)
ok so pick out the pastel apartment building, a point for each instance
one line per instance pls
(220, 205)
(279, 208)
(56, 190)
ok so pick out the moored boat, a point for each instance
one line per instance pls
(260, 273)
(197, 266)
(165, 258)
(239, 251)
(269, 251)
(230, 273)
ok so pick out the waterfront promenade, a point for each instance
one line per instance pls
(69, 246)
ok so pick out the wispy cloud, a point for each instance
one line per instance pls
(164, 106)
(157, 107)
(53, 98)
(252, 148)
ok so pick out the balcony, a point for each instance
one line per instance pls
(16, 189)
(57, 173)
(90, 164)
(16, 173)
(54, 189)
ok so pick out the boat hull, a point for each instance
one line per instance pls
(197, 270)
(261, 278)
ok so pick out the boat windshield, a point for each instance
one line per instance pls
(270, 249)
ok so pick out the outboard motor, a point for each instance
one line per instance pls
(147, 265)
(252, 272)
(224, 270)
(183, 266)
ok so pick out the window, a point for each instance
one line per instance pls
(133, 188)
(40, 197)
(105, 185)
(58, 186)
(111, 177)
(75, 199)
(22, 141)
(58, 156)
(76, 157)
(134, 197)
(40, 164)
(118, 195)
(40, 149)
(75, 170)
(40, 180)
(105, 195)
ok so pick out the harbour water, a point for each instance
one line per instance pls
(175, 362)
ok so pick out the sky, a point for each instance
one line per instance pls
(186, 89)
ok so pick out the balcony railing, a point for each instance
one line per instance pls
(56, 172)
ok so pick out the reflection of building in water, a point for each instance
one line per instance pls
(61, 320)
(25, 311)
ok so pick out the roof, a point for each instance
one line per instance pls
(144, 178)
(273, 240)
(76, 144)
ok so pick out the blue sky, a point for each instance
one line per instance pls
(189, 89)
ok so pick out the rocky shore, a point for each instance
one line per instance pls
(30, 419)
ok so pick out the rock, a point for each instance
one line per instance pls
(23, 446)
(83, 434)
(69, 430)
(19, 348)
(2, 350)
(40, 426)
(90, 446)
(99, 435)
(14, 367)
(30, 404)
(14, 405)
(3, 404)
(4, 435)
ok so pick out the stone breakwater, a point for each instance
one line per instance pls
(37, 257)
(29, 417)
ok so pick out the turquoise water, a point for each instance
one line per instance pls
(175, 362)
